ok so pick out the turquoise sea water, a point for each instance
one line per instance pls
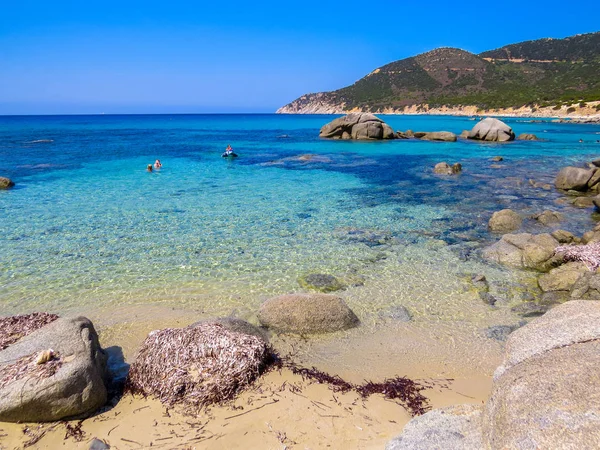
(87, 226)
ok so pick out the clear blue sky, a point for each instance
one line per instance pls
(232, 56)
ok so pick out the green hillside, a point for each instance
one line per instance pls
(544, 72)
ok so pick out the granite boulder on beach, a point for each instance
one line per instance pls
(56, 372)
(358, 126)
(491, 129)
(546, 393)
(307, 313)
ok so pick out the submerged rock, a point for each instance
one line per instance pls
(398, 313)
(548, 217)
(584, 202)
(527, 137)
(444, 168)
(480, 282)
(307, 313)
(487, 298)
(505, 221)
(74, 387)
(444, 136)
(530, 309)
(321, 282)
(501, 332)
(491, 129)
(360, 126)
(450, 428)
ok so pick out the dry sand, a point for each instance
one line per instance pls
(281, 411)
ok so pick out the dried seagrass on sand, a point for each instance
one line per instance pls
(197, 366)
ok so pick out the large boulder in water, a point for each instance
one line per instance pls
(307, 313)
(360, 126)
(6, 183)
(524, 251)
(491, 129)
(37, 385)
(573, 178)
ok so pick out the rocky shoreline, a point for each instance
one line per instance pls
(569, 114)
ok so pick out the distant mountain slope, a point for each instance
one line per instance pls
(583, 47)
(543, 72)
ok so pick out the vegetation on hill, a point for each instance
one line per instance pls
(543, 72)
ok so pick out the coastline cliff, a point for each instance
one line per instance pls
(542, 78)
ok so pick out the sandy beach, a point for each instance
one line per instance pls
(281, 411)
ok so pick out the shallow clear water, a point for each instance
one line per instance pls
(87, 227)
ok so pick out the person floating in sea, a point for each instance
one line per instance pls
(157, 164)
(228, 153)
(149, 168)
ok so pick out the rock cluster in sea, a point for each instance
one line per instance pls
(443, 168)
(366, 126)
(546, 392)
(6, 183)
(360, 126)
